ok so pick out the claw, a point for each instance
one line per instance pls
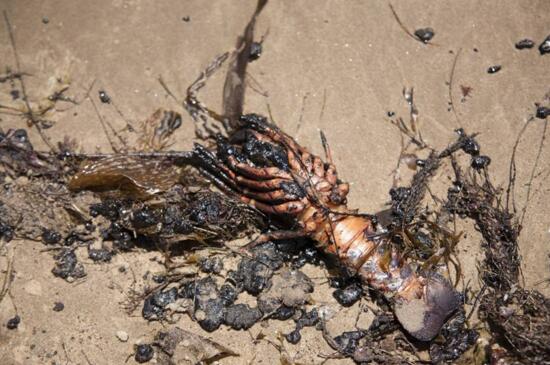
(424, 317)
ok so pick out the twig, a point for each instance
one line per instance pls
(401, 23)
(451, 79)
(165, 87)
(103, 124)
(29, 114)
(532, 177)
(8, 277)
(510, 190)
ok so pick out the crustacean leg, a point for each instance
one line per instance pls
(277, 193)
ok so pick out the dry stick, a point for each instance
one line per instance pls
(322, 113)
(304, 99)
(165, 87)
(510, 190)
(29, 114)
(104, 125)
(401, 23)
(8, 277)
(451, 78)
(532, 177)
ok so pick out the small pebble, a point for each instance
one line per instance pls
(122, 336)
(544, 47)
(186, 18)
(45, 20)
(525, 44)
(494, 69)
(58, 307)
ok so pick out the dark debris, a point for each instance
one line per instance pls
(525, 44)
(544, 47)
(424, 35)
(494, 69)
(67, 266)
(13, 323)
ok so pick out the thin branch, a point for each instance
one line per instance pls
(29, 114)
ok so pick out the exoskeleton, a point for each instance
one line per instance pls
(270, 171)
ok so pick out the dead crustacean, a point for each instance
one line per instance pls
(270, 171)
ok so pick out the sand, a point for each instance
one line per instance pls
(327, 65)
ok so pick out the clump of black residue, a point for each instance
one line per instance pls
(253, 274)
(457, 340)
(309, 254)
(544, 47)
(144, 217)
(58, 306)
(283, 313)
(67, 265)
(467, 143)
(525, 44)
(228, 294)
(307, 319)
(383, 323)
(494, 69)
(256, 49)
(424, 34)
(13, 323)
(209, 308)
(144, 353)
(211, 265)
(542, 112)
(6, 231)
(155, 304)
(122, 237)
(241, 316)
(108, 208)
(294, 336)
(348, 342)
(104, 97)
(100, 254)
(348, 295)
(51, 237)
(480, 162)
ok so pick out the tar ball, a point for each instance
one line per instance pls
(542, 112)
(470, 146)
(494, 69)
(348, 296)
(144, 353)
(104, 97)
(424, 34)
(13, 323)
(544, 47)
(50, 237)
(480, 162)
(255, 51)
(525, 44)
(293, 337)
